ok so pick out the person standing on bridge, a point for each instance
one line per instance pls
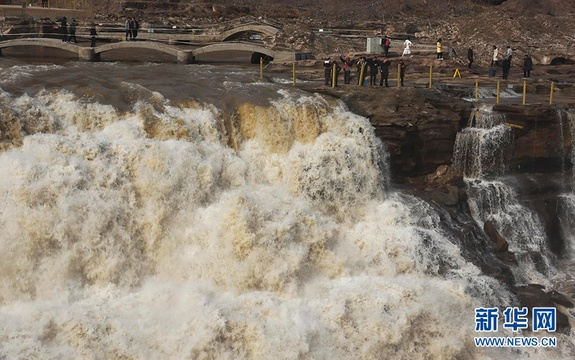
(72, 31)
(135, 30)
(93, 35)
(64, 29)
(127, 28)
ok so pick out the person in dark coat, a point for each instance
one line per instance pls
(93, 35)
(402, 67)
(373, 65)
(384, 70)
(469, 57)
(127, 29)
(134, 27)
(527, 66)
(72, 31)
(506, 65)
(64, 29)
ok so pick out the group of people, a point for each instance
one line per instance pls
(506, 62)
(365, 67)
(69, 32)
(372, 67)
(131, 26)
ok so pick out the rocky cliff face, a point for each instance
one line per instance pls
(419, 128)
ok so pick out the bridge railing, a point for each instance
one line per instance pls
(154, 32)
(60, 4)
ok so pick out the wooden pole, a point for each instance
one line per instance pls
(476, 90)
(333, 74)
(261, 68)
(497, 93)
(551, 93)
(360, 80)
(524, 91)
(293, 73)
(430, 75)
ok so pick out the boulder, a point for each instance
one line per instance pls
(499, 242)
(534, 295)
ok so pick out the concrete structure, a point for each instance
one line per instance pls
(222, 37)
(374, 45)
(182, 56)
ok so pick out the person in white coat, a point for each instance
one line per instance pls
(495, 56)
(407, 47)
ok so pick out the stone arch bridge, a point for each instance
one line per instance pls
(183, 56)
(216, 42)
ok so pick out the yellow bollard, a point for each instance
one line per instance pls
(476, 90)
(524, 91)
(261, 68)
(430, 75)
(333, 75)
(360, 80)
(551, 94)
(498, 87)
(293, 73)
(398, 75)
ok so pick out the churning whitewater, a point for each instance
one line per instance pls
(251, 221)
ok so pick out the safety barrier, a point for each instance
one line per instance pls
(334, 82)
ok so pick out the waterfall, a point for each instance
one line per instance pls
(482, 152)
(566, 202)
(497, 202)
(567, 121)
(483, 149)
(253, 222)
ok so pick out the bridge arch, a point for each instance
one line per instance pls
(232, 46)
(244, 46)
(51, 43)
(183, 56)
(234, 33)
